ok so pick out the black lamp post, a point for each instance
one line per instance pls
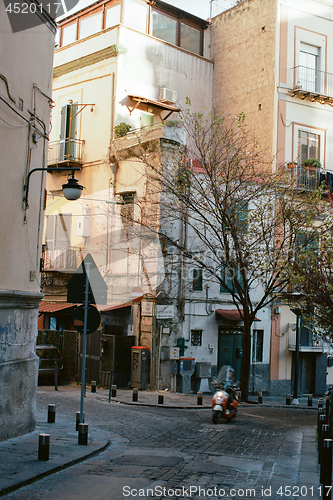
(72, 190)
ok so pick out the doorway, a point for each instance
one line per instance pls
(230, 349)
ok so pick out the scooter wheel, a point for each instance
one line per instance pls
(216, 417)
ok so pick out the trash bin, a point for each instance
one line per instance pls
(186, 370)
(139, 367)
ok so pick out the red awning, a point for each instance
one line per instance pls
(52, 307)
(113, 307)
(232, 314)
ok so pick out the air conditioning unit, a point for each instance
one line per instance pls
(168, 95)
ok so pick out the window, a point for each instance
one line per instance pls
(190, 38)
(164, 27)
(197, 280)
(229, 278)
(146, 120)
(309, 76)
(112, 16)
(257, 346)
(127, 208)
(236, 215)
(90, 25)
(136, 15)
(306, 248)
(69, 34)
(58, 231)
(68, 131)
(174, 30)
(308, 145)
(196, 337)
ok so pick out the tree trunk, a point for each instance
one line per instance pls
(246, 358)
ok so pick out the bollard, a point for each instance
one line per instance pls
(328, 407)
(259, 397)
(160, 399)
(310, 400)
(320, 428)
(324, 435)
(326, 469)
(51, 414)
(199, 398)
(78, 420)
(55, 376)
(44, 447)
(239, 395)
(93, 386)
(83, 434)
(288, 399)
(135, 394)
(320, 403)
(113, 391)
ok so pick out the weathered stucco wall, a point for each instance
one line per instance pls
(25, 84)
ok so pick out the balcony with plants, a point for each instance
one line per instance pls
(305, 175)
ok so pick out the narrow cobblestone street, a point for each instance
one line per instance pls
(179, 453)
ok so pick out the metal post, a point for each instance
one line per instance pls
(55, 376)
(135, 394)
(298, 330)
(93, 386)
(160, 399)
(288, 399)
(259, 397)
(199, 398)
(113, 391)
(44, 447)
(310, 400)
(51, 411)
(78, 420)
(83, 434)
(320, 430)
(84, 346)
(326, 469)
(324, 435)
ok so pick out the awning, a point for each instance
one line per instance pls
(52, 307)
(144, 104)
(232, 314)
(113, 307)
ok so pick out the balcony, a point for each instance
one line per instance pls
(304, 178)
(307, 342)
(314, 85)
(67, 152)
(63, 260)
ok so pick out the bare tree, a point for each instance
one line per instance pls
(224, 209)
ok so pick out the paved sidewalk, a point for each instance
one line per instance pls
(20, 464)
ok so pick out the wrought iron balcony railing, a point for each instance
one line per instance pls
(61, 259)
(304, 178)
(66, 150)
(307, 342)
(310, 83)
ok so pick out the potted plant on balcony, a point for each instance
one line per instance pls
(311, 163)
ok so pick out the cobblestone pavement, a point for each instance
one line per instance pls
(178, 453)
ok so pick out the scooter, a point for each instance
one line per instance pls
(225, 399)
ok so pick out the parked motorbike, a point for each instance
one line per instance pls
(225, 399)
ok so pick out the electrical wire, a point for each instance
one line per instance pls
(11, 125)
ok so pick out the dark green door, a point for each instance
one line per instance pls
(230, 349)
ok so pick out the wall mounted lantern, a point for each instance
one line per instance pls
(72, 190)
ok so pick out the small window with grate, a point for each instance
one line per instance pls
(196, 337)
(127, 208)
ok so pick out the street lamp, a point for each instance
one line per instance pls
(72, 190)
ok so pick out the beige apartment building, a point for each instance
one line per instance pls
(122, 70)
(273, 61)
(25, 102)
